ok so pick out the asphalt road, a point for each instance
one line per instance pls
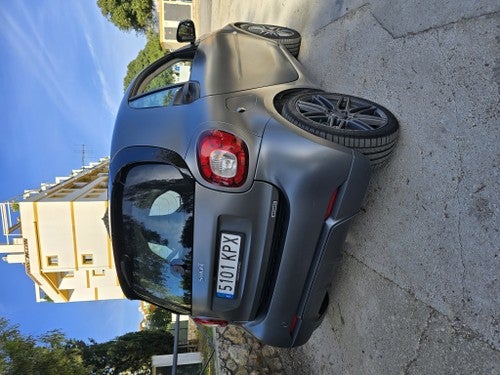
(418, 289)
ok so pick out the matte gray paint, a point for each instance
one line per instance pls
(305, 168)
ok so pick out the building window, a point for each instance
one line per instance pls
(87, 259)
(52, 260)
(176, 12)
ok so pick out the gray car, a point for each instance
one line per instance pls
(234, 179)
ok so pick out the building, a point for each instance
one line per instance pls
(187, 363)
(170, 13)
(62, 239)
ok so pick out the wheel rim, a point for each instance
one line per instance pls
(342, 112)
(271, 31)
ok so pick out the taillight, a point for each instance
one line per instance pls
(222, 158)
(210, 322)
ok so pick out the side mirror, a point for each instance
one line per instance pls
(186, 32)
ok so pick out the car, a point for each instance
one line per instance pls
(234, 179)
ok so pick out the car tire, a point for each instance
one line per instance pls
(347, 120)
(289, 38)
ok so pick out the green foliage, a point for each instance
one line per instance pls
(130, 352)
(49, 354)
(54, 354)
(206, 348)
(128, 14)
(14, 205)
(46, 298)
(159, 319)
(163, 79)
(151, 52)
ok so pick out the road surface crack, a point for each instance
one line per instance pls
(432, 314)
(461, 329)
(347, 15)
(461, 172)
(412, 33)
(406, 290)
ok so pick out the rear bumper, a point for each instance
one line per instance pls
(312, 243)
(284, 326)
(315, 297)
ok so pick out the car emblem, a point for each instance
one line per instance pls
(201, 272)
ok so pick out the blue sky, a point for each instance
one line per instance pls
(61, 72)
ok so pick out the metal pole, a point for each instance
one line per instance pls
(176, 343)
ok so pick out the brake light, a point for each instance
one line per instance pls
(210, 322)
(222, 158)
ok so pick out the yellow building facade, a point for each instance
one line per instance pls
(170, 12)
(63, 241)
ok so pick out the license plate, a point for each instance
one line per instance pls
(227, 273)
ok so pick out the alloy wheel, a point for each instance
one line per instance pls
(341, 112)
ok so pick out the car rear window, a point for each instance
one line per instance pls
(157, 213)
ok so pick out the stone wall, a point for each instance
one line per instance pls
(241, 354)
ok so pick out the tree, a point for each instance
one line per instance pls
(151, 52)
(159, 319)
(128, 14)
(130, 352)
(14, 205)
(54, 354)
(48, 354)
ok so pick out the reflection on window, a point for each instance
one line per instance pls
(162, 251)
(158, 233)
(166, 204)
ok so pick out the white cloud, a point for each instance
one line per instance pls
(64, 68)
(111, 51)
(24, 39)
(110, 100)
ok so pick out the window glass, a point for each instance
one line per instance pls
(162, 98)
(173, 72)
(87, 259)
(176, 71)
(158, 233)
(53, 260)
(160, 87)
